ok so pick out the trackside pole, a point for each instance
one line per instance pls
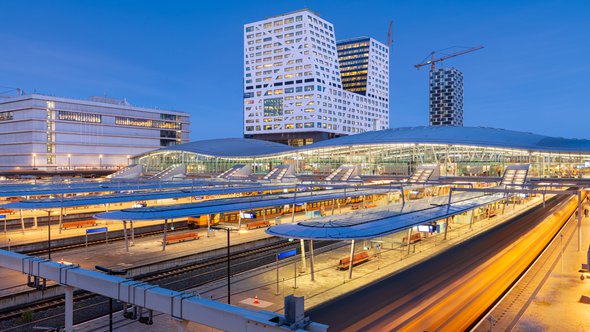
(69, 309)
(351, 257)
(303, 265)
(125, 235)
(311, 266)
(579, 220)
(164, 235)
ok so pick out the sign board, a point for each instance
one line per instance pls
(287, 254)
(248, 215)
(426, 228)
(2, 216)
(97, 230)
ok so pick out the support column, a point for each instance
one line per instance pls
(61, 216)
(69, 309)
(351, 259)
(333, 205)
(303, 264)
(471, 219)
(208, 224)
(311, 266)
(35, 224)
(22, 221)
(239, 220)
(446, 228)
(181, 325)
(132, 233)
(125, 235)
(409, 239)
(164, 235)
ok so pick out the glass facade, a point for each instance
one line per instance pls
(384, 159)
(353, 59)
(79, 117)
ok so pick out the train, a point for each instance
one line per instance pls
(271, 212)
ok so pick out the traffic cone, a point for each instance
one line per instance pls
(256, 299)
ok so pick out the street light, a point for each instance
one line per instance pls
(69, 161)
(228, 229)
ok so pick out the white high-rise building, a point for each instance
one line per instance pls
(293, 81)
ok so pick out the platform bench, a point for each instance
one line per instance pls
(175, 238)
(415, 237)
(78, 224)
(359, 257)
(257, 224)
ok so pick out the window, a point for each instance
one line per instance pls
(133, 122)
(5, 116)
(273, 106)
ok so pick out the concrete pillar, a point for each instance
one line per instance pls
(125, 235)
(164, 235)
(409, 239)
(351, 259)
(61, 216)
(35, 224)
(447, 227)
(333, 205)
(69, 309)
(471, 219)
(311, 266)
(181, 325)
(303, 264)
(22, 221)
(132, 232)
(208, 224)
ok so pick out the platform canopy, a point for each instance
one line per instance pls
(380, 222)
(231, 205)
(106, 186)
(53, 203)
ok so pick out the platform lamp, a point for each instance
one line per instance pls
(227, 229)
(111, 273)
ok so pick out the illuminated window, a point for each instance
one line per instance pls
(79, 117)
(5, 116)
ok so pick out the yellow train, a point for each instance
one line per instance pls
(270, 212)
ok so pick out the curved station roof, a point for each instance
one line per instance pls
(447, 135)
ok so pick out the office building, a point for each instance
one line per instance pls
(293, 83)
(53, 133)
(446, 97)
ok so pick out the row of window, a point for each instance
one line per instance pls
(79, 117)
(133, 122)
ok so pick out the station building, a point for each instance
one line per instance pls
(54, 133)
(457, 150)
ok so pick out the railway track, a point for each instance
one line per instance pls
(90, 306)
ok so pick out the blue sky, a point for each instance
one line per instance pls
(532, 75)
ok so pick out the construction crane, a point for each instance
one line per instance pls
(434, 60)
(389, 40)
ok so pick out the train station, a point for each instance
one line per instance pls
(248, 223)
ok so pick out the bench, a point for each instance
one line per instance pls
(359, 257)
(355, 206)
(415, 237)
(368, 206)
(78, 224)
(175, 238)
(257, 224)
